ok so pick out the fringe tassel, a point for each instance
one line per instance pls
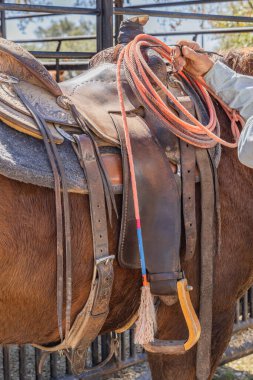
(146, 324)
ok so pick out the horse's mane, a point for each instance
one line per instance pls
(240, 60)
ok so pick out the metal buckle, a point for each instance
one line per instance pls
(105, 259)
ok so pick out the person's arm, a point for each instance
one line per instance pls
(245, 144)
(235, 89)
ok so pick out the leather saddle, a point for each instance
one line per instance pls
(86, 111)
(94, 93)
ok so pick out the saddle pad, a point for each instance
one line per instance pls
(24, 158)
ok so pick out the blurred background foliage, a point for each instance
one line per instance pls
(68, 26)
(239, 8)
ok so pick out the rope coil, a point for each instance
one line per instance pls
(132, 58)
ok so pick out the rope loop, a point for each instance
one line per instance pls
(141, 78)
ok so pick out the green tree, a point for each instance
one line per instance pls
(240, 8)
(65, 27)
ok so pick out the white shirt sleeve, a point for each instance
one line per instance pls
(237, 91)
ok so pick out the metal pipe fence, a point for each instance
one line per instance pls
(22, 362)
(181, 15)
(103, 13)
(105, 36)
(179, 3)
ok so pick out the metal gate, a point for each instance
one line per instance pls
(22, 362)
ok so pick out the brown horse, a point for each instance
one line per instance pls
(28, 264)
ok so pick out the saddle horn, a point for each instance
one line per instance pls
(131, 27)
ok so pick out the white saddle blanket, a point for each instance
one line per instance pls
(24, 158)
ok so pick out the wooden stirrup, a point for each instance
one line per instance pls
(177, 347)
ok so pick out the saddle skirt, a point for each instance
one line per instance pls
(94, 93)
(89, 86)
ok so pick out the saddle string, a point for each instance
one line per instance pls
(61, 218)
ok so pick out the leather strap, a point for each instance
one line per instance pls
(92, 173)
(90, 320)
(209, 241)
(188, 164)
(103, 262)
(203, 363)
(217, 203)
(62, 215)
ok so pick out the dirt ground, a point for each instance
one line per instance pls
(241, 369)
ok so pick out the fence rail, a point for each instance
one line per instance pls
(181, 15)
(49, 9)
(179, 3)
(103, 12)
